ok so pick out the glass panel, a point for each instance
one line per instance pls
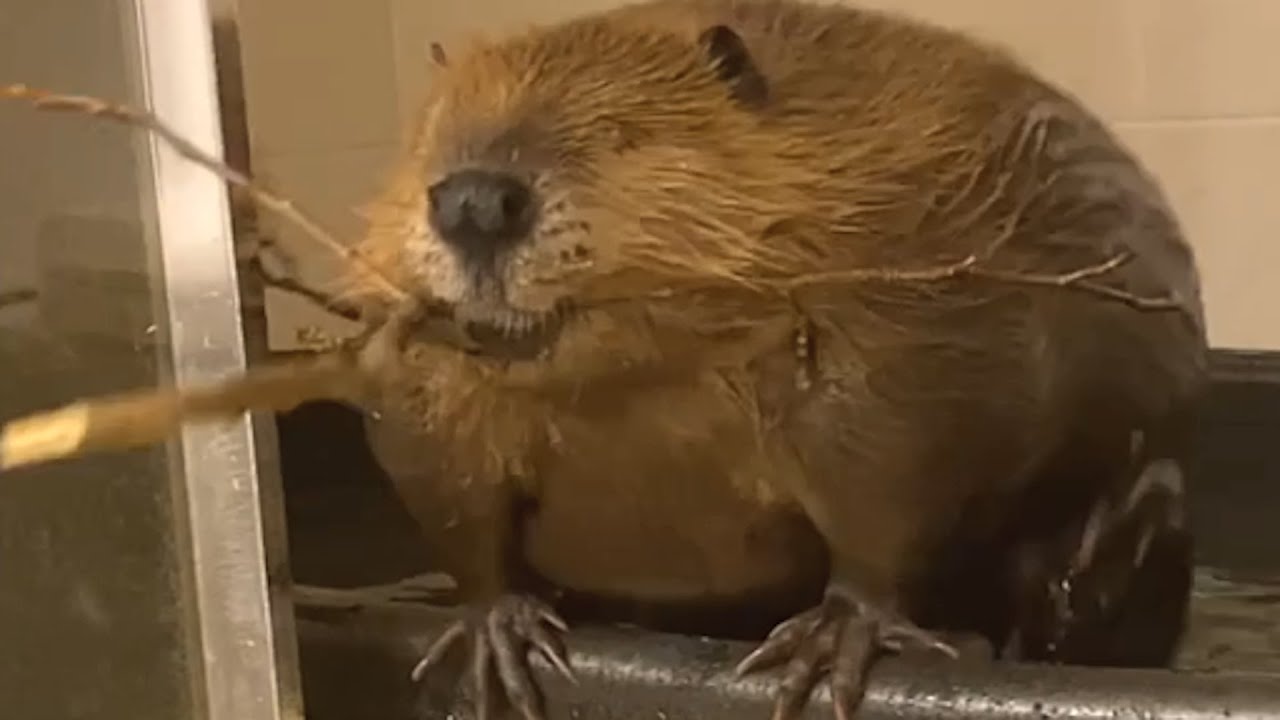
(124, 571)
(95, 607)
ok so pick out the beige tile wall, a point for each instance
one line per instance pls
(1191, 84)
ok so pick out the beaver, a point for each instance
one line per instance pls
(804, 323)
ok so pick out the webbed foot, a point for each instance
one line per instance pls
(1114, 589)
(840, 639)
(499, 637)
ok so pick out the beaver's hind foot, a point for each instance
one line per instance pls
(840, 638)
(499, 637)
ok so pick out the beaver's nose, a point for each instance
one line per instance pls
(478, 211)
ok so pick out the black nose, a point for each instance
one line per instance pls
(478, 211)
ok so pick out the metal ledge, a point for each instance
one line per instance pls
(356, 659)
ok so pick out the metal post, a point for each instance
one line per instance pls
(241, 615)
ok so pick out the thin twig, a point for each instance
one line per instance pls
(293, 286)
(96, 107)
(17, 297)
(931, 274)
(857, 275)
(289, 283)
(1078, 280)
(1167, 302)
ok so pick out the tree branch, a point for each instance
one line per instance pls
(288, 281)
(1080, 280)
(17, 297)
(86, 105)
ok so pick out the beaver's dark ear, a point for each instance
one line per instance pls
(734, 64)
(438, 56)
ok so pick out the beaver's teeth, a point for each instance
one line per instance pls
(512, 323)
(504, 321)
(521, 323)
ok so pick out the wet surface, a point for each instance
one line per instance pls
(1235, 624)
(356, 658)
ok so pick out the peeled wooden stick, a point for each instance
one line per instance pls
(143, 417)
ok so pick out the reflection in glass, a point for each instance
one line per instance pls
(94, 603)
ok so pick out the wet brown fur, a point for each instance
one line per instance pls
(668, 450)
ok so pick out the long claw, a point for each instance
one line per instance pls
(513, 670)
(781, 643)
(481, 677)
(552, 619)
(802, 675)
(801, 625)
(498, 641)
(553, 650)
(901, 634)
(437, 650)
(762, 658)
(839, 639)
(853, 658)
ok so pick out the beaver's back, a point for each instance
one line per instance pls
(955, 141)
(844, 79)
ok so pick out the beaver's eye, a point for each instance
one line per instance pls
(624, 141)
(619, 136)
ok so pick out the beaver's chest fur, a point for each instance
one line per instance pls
(668, 492)
(670, 500)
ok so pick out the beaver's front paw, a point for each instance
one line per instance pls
(499, 638)
(839, 638)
